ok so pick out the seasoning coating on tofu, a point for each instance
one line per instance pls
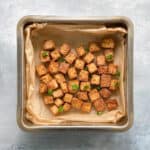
(82, 95)
(94, 47)
(41, 69)
(70, 58)
(72, 73)
(55, 54)
(52, 84)
(53, 67)
(42, 88)
(100, 60)
(85, 86)
(103, 69)
(58, 93)
(86, 107)
(99, 105)
(44, 56)
(111, 104)
(58, 102)
(83, 75)
(94, 95)
(105, 93)
(109, 55)
(54, 109)
(95, 80)
(89, 57)
(105, 80)
(112, 69)
(108, 43)
(63, 67)
(80, 51)
(49, 45)
(46, 78)
(66, 107)
(65, 49)
(64, 87)
(92, 68)
(114, 85)
(48, 100)
(60, 78)
(79, 64)
(76, 103)
(68, 98)
(73, 86)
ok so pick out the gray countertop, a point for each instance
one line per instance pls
(12, 138)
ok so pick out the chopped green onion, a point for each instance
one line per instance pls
(117, 73)
(85, 68)
(75, 87)
(61, 59)
(50, 92)
(86, 87)
(99, 112)
(60, 109)
(44, 54)
(98, 87)
(109, 57)
(87, 49)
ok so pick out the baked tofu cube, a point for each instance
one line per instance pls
(111, 104)
(42, 88)
(76, 103)
(68, 98)
(46, 78)
(66, 107)
(105, 93)
(79, 64)
(85, 86)
(99, 105)
(89, 57)
(65, 49)
(70, 58)
(53, 67)
(72, 73)
(54, 110)
(44, 56)
(94, 95)
(58, 93)
(103, 69)
(100, 60)
(63, 68)
(92, 68)
(114, 85)
(83, 75)
(73, 86)
(48, 100)
(55, 54)
(60, 78)
(108, 43)
(52, 84)
(112, 69)
(58, 102)
(86, 107)
(105, 80)
(82, 95)
(93, 47)
(64, 87)
(95, 80)
(80, 51)
(109, 55)
(41, 69)
(49, 45)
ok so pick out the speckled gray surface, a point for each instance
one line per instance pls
(12, 138)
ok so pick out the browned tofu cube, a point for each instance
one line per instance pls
(92, 68)
(52, 84)
(48, 100)
(49, 45)
(46, 78)
(83, 75)
(109, 55)
(64, 87)
(53, 67)
(54, 110)
(80, 51)
(73, 86)
(95, 80)
(44, 56)
(55, 54)
(103, 69)
(105, 93)
(85, 86)
(86, 107)
(66, 107)
(65, 49)
(76, 103)
(58, 102)
(114, 85)
(70, 58)
(100, 60)
(111, 104)
(79, 64)
(99, 105)
(60, 78)
(94, 95)
(72, 73)
(93, 47)
(89, 57)
(68, 98)
(108, 43)
(42, 88)
(58, 93)
(41, 69)
(105, 80)
(82, 95)
(63, 68)
(112, 69)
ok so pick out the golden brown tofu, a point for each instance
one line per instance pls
(65, 49)
(94, 95)
(100, 60)
(48, 100)
(68, 98)
(83, 75)
(109, 55)
(103, 69)
(112, 69)
(58, 93)
(73, 86)
(72, 73)
(85, 86)
(58, 102)
(49, 45)
(70, 58)
(92, 68)
(82, 95)
(60, 78)
(76, 103)
(79, 64)
(42, 88)
(108, 43)
(53, 67)
(86, 107)
(52, 84)
(63, 68)
(54, 110)
(80, 51)
(95, 80)
(55, 54)
(66, 107)
(99, 105)
(44, 56)
(89, 57)
(105, 93)
(41, 69)
(46, 78)
(111, 104)
(93, 47)
(105, 80)
(64, 87)
(114, 85)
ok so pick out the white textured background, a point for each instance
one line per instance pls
(12, 138)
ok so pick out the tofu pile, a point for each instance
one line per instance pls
(80, 78)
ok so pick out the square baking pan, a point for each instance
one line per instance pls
(126, 122)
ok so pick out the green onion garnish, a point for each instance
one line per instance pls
(86, 87)
(60, 109)
(61, 59)
(117, 73)
(87, 49)
(75, 87)
(99, 112)
(50, 92)
(109, 57)
(44, 54)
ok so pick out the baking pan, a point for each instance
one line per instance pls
(126, 122)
